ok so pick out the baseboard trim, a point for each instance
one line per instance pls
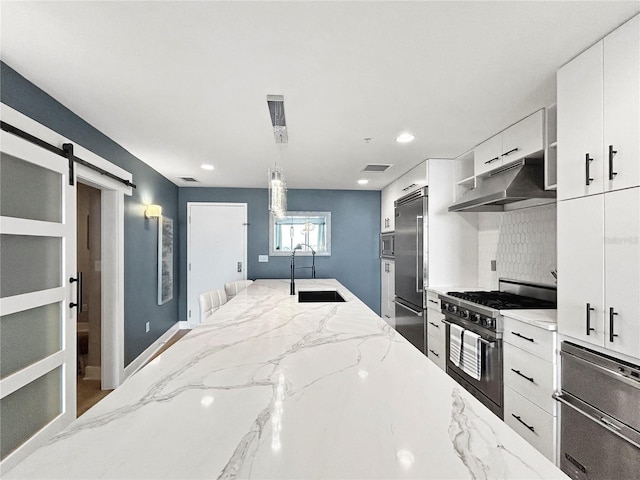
(184, 325)
(144, 357)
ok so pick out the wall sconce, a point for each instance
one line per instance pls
(153, 211)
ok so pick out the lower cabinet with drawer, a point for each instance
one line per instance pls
(530, 378)
(435, 331)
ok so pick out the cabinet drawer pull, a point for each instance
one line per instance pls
(522, 375)
(612, 153)
(612, 314)
(520, 420)
(433, 301)
(525, 338)
(510, 152)
(492, 160)
(587, 162)
(435, 324)
(434, 353)
(589, 310)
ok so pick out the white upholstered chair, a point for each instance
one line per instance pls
(234, 288)
(210, 302)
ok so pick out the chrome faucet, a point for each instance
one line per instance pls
(292, 288)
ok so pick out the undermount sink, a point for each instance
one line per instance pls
(319, 296)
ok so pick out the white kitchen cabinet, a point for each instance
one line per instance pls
(388, 282)
(487, 155)
(522, 139)
(435, 331)
(598, 114)
(529, 368)
(599, 270)
(622, 273)
(622, 105)
(414, 179)
(580, 231)
(387, 197)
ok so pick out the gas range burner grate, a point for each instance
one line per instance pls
(503, 300)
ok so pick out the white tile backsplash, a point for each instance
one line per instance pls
(523, 243)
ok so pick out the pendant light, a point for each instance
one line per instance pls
(277, 184)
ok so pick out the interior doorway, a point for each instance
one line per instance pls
(216, 249)
(89, 316)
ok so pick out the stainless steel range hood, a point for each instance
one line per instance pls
(514, 186)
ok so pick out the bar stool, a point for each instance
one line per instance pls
(210, 302)
(234, 288)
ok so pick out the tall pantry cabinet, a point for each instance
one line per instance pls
(599, 193)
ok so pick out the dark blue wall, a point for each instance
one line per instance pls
(355, 230)
(140, 234)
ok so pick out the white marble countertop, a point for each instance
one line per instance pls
(272, 388)
(546, 319)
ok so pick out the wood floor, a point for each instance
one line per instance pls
(88, 391)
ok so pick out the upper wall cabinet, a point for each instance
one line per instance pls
(520, 140)
(407, 183)
(599, 116)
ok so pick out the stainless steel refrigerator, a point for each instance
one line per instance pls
(410, 255)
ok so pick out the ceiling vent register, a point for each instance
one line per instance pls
(373, 167)
(189, 179)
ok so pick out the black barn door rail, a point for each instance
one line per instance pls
(66, 151)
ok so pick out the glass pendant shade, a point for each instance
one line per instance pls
(277, 192)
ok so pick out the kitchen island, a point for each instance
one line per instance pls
(273, 388)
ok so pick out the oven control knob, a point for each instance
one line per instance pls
(453, 308)
(477, 318)
(464, 313)
(445, 306)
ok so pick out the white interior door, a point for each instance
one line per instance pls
(38, 326)
(216, 249)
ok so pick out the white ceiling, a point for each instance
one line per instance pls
(179, 84)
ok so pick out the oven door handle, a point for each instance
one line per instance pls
(486, 342)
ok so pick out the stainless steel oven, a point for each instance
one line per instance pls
(479, 312)
(387, 241)
(489, 389)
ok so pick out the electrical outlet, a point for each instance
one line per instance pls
(263, 258)
(493, 266)
(146, 327)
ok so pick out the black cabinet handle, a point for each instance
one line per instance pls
(612, 314)
(435, 324)
(520, 420)
(587, 162)
(492, 160)
(522, 375)
(434, 353)
(433, 301)
(78, 292)
(510, 152)
(612, 153)
(522, 336)
(589, 310)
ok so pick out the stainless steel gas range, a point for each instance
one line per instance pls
(478, 312)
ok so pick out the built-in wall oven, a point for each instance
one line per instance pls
(600, 415)
(478, 313)
(387, 244)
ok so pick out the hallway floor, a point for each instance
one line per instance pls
(88, 391)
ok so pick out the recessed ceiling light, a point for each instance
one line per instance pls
(363, 181)
(206, 166)
(405, 137)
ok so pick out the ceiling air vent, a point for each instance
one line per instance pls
(278, 120)
(372, 167)
(189, 179)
